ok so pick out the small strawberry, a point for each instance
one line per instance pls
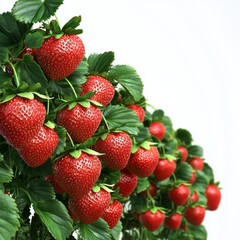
(213, 195)
(173, 221)
(179, 195)
(194, 197)
(152, 190)
(165, 168)
(157, 130)
(143, 162)
(77, 175)
(113, 213)
(60, 57)
(90, 207)
(103, 89)
(55, 185)
(193, 178)
(195, 215)
(117, 148)
(80, 122)
(138, 110)
(127, 183)
(183, 153)
(37, 150)
(196, 163)
(21, 119)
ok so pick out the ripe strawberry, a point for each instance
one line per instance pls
(77, 175)
(152, 221)
(117, 148)
(113, 213)
(39, 149)
(80, 122)
(195, 215)
(197, 163)
(193, 178)
(213, 196)
(55, 185)
(179, 195)
(194, 197)
(127, 183)
(157, 130)
(152, 190)
(104, 90)
(138, 110)
(183, 153)
(173, 221)
(60, 57)
(165, 168)
(21, 119)
(143, 162)
(91, 206)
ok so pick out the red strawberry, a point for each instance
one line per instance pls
(143, 162)
(174, 221)
(152, 221)
(21, 119)
(77, 175)
(104, 90)
(113, 213)
(37, 150)
(179, 195)
(157, 130)
(80, 122)
(117, 148)
(195, 215)
(183, 153)
(197, 163)
(213, 196)
(55, 185)
(152, 190)
(60, 57)
(193, 178)
(138, 110)
(127, 183)
(165, 168)
(90, 207)
(194, 197)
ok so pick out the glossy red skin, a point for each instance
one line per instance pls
(143, 162)
(213, 195)
(40, 148)
(104, 90)
(113, 213)
(90, 207)
(60, 57)
(127, 183)
(195, 215)
(157, 130)
(138, 110)
(174, 221)
(183, 153)
(152, 190)
(117, 148)
(152, 221)
(55, 185)
(164, 169)
(20, 120)
(77, 175)
(196, 163)
(179, 195)
(193, 178)
(80, 122)
(194, 197)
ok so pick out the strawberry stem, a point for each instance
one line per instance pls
(70, 139)
(15, 74)
(105, 120)
(71, 86)
(48, 102)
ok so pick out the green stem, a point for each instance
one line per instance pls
(105, 120)
(15, 74)
(70, 138)
(149, 198)
(48, 102)
(71, 86)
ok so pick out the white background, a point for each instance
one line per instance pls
(187, 53)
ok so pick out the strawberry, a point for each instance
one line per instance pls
(213, 196)
(55, 185)
(21, 119)
(117, 148)
(37, 150)
(152, 190)
(157, 130)
(183, 153)
(179, 194)
(193, 178)
(127, 183)
(60, 57)
(77, 175)
(80, 122)
(165, 168)
(195, 215)
(103, 89)
(196, 163)
(194, 197)
(138, 110)
(91, 206)
(113, 213)
(173, 221)
(152, 221)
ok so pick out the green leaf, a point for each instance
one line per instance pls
(195, 151)
(129, 79)
(34, 40)
(92, 152)
(32, 11)
(183, 171)
(138, 203)
(27, 95)
(85, 103)
(116, 231)
(6, 173)
(184, 136)
(143, 135)
(4, 77)
(157, 115)
(9, 217)
(167, 122)
(22, 201)
(109, 176)
(143, 184)
(201, 182)
(208, 172)
(76, 153)
(199, 232)
(62, 136)
(146, 145)
(72, 23)
(4, 55)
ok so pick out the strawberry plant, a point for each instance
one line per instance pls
(82, 153)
